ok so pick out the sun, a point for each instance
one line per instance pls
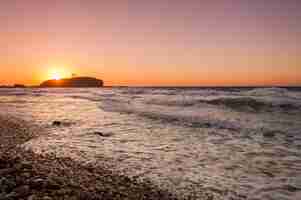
(56, 76)
(58, 73)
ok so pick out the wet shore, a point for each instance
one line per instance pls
(25, 175)
(240, 144)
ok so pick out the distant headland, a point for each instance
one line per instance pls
(73, 82)
(13, 86)
(65, 82)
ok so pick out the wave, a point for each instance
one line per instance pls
(240, 103)
(182, 102)
(237, 103)
(89, 98)
(254, 100)
(191, 117)
(253, 105)
(274, 92)
(13, 92)
(178, 91)
(267, 92)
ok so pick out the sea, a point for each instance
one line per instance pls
(230, 143)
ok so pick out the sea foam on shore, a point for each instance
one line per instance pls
(235, 143)
(25, 175)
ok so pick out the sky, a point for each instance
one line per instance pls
(152, 43)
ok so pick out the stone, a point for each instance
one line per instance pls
(61, 192)
(53, 185)
(11, 196)
(37, 183)
(26, 165)
(7, 171)
(98, 133)
(269, 134)
(102, 134)
(56, 123)
(18, 166)
(26, 175)
(291, 188)
(32, 197)
(47, 198)
(2, 196)
(6, 184)
(22, 190)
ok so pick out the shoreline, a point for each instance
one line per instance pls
(25, 175)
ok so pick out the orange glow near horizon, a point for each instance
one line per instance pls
(58, 73)
(151, 77)
(190, 43)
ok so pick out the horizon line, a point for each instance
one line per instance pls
(178, 86)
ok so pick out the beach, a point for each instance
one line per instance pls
(150, 99)
(151, 143)
(25, 175)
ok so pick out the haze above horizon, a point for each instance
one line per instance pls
(152, 43)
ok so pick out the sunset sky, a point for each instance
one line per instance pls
(152, 42)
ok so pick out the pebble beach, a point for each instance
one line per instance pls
(28, 176)
(150, 143)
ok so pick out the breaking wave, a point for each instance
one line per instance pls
(236, 103)
(191, 117)
(252, 104)
(232, 143)
(276, 92)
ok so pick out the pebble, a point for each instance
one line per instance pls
(7, 171)
(53, 185)
(27, 176)
(22, 190)
(269, 134)
(102, 134)
(291, 188)
(32, 197)
(11, 196)
(6, 184)
(56, 123)
(47, 198)
(37, 183)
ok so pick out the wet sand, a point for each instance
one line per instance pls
(25, 175)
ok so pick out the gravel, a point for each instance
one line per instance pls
(28, 176)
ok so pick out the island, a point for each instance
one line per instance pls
(73, 82)
(13, 86)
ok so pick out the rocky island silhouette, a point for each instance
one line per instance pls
(73, 82)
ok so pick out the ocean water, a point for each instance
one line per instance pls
(231, 143)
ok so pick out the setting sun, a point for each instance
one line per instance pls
(58, 73)
(56, 77)
(152, 99)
